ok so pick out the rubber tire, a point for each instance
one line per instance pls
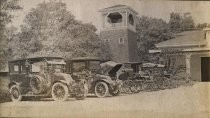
(65, 88)
(18, 90)
(139, 86)
(126, 86)
(106, 89)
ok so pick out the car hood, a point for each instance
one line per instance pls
(110, 67)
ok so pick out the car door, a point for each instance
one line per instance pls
(24, 74)
(14, 72)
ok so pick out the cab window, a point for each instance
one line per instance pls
(14, 68)
(23, 68)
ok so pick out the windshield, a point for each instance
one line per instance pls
(78, 66)
(55, 65)
(59, 68)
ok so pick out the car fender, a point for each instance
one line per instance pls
(13, 83)
(63, 81)
(104, 78)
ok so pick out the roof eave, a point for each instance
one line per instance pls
(178, 46)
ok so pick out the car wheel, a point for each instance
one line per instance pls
(81, 92)
(59, 91)
(126, 87)
(15, 93)
(114, 93)
(101, 89)
(139, 86)
(165, 84)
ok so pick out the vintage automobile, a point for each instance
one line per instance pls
(101, 77)
(43, 77)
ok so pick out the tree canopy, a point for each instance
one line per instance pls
(50, 29)
(6, 7)
(151, 31)
(179, 23)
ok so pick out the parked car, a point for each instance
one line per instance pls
(43, 77)
(101, 77)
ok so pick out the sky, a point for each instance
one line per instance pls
(87, 10)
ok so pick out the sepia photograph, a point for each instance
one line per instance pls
(105, 58)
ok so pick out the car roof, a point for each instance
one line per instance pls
(85, 59)
(36, 58)
(133, 62)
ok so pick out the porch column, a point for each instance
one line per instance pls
(188, 73)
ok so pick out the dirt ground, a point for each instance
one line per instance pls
(183, 102)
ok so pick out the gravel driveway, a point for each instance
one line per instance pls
(183, 102)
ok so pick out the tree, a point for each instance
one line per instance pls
(175, 22)
(50, 29)
(187, 22)
(151, 31)
(202, 25)
(6, 7)
(179, 23)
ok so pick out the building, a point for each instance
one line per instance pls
(191, 49)
(119, 31)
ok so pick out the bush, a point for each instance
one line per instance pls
(4, 96)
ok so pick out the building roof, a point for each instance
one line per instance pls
(86, 59)
(192, 38)
(36, 58)
(117, 7)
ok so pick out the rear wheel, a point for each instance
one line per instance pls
(15, 93)
(59, 91)
(101, 89)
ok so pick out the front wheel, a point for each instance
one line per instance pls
(59, 91)
(101, 89)
(15, 93)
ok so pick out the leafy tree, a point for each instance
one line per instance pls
(50, 29)
(202, 25)
(187, 22)
(175, 22)
(179, 23)
(151, 31)
(6, 7)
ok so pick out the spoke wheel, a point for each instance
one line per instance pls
(59, 91)
(134, 87)
(15, 93)
(101, 89)
(127, 87)
(139, 86)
